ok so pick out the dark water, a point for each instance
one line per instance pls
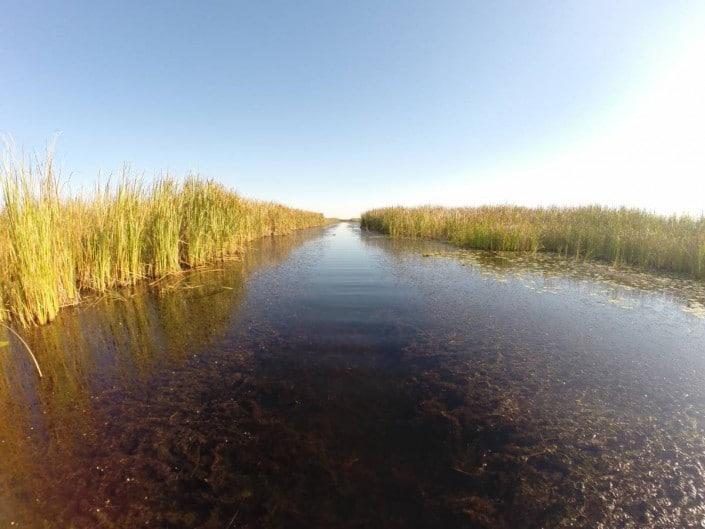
(340, 379)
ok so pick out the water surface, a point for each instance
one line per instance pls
(337, 378)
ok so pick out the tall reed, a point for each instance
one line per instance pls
(110, 245)
(164, 228)
(620, 236)
(38, 272)
(53, 247)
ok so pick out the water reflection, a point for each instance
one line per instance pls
(591, 378)
(93, 356)
(359, 383)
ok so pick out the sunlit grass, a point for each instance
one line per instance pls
(53, 247)
(38, 261)
(620, 236)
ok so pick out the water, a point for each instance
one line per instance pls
(336, 378)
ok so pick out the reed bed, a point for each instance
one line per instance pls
(54, 248)
(621, 236)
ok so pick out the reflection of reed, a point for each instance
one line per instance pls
(94, 352)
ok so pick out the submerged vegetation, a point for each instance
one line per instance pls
(620, 236)
(53, 248)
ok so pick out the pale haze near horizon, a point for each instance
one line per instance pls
(344, 107)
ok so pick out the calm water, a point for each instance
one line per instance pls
(336, 378)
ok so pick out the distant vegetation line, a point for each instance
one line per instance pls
(53, 248)
(620, 236)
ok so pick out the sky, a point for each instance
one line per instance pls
(343, 106)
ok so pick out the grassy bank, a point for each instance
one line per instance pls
(53, 248)
(621, 236)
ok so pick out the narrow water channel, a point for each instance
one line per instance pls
(337, 378)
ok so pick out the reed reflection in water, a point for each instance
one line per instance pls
(96, 356)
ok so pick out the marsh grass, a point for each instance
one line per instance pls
(620, 236)
(53, 248)
(38, 272)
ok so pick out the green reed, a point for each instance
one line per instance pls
(620, 236)
(37, 272)
(52, 247)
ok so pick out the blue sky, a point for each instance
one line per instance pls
(341, 106)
